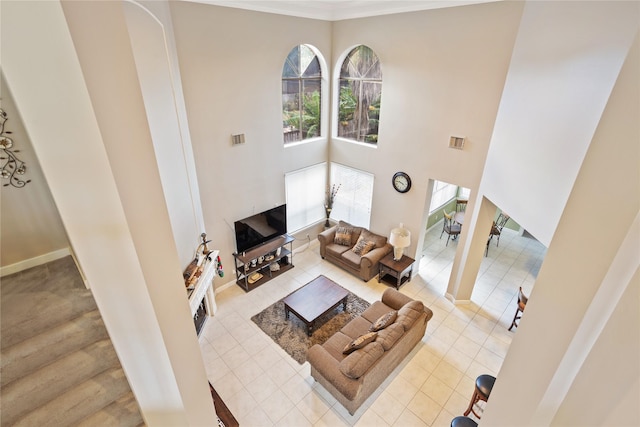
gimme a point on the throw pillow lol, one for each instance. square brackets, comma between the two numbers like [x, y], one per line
[363, 247]
[343, 236]
[360, 342]
[384, 321]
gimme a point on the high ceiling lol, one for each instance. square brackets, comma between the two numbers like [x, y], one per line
[336, 10]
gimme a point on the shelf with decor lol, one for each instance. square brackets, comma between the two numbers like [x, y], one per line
[264, 262]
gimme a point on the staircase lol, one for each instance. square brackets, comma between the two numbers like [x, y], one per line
[58, 366]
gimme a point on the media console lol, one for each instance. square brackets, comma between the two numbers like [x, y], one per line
[264, 262]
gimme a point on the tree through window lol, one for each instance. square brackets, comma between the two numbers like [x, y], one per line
[301, 94]
[359, 97]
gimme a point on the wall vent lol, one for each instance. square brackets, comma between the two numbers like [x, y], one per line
[456, 142]
[237, 139]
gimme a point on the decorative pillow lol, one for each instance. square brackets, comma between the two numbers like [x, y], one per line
[359, 362]
[363, 247]
[384, 321]
[343, 236]
[379, 241]
[360, 342]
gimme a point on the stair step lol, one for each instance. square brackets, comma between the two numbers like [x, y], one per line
[68, 408]
[24, 317]
[34, 390]
[122, 412]
[34, 353]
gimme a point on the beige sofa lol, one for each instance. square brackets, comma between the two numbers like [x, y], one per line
[341, 252]
[352, 378]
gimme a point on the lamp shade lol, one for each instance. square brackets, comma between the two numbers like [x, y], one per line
[399, 238]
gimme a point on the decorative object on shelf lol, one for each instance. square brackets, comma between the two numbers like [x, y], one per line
[399, 238]
[11, 164]
[255, 277]
[274, 267]
[328, 203]
[269, 258]
[401, 182]
[219, 269]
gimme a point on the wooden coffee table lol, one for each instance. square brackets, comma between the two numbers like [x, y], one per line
[316, 298]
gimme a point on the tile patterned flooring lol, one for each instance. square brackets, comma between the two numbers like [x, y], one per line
[263, 386]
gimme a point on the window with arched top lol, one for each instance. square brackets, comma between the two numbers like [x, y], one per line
[359, 95]
[301, 95]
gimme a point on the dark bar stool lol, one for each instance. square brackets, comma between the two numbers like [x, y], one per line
[484, 384]
[463, 422]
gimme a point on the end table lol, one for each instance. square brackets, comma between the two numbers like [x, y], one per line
[396, 272]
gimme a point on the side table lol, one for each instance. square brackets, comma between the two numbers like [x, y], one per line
[396, 272]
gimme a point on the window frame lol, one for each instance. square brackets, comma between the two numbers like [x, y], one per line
[344, 207]
[336, 98]
[313, 198]
[324, 98]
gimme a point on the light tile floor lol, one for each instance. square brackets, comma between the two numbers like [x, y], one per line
[263, 386]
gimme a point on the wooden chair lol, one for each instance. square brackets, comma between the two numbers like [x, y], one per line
[449, 227]
[461, 205]
[484, 385]
[522, 302]
[496, 230]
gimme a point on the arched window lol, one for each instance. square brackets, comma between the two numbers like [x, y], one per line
[359, 98]
[301, 95]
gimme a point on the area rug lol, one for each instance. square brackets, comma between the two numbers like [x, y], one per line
[291, 334]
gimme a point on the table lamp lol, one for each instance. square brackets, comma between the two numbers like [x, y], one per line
[399, 238]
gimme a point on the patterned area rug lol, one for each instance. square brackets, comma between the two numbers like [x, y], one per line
[291, 334]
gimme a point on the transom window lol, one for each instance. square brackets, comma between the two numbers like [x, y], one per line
[359, 97]
[301, 95]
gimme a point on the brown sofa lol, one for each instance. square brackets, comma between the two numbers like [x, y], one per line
[352, 378]
[342, 254]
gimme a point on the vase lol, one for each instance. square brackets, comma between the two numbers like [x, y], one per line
[328, 212]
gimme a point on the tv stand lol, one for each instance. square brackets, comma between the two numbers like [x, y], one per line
[276, 251]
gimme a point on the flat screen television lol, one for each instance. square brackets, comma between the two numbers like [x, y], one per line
[259, 228]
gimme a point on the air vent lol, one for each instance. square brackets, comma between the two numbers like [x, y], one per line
[237, 139]
[456, 142]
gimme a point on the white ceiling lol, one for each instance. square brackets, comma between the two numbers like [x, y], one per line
[336, 10]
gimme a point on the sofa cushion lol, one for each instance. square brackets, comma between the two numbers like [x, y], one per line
[356, 327]
[363, 246]
[409, 313]
[375, 311]
[336, 250]
[390, 335]
[377, 239]
[336, 343]
[384, 321]
[351, 259]
[359, 362]
[343, 236]
[359, 342]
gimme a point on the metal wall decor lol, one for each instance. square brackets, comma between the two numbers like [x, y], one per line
[12, 167]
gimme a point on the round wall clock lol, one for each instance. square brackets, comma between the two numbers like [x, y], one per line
[401, 182]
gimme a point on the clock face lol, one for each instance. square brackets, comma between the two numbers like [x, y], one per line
[401, 182]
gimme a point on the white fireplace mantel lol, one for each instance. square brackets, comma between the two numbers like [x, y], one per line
[204, 287]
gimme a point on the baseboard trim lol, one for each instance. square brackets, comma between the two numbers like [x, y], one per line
[34, 262]
[452, 299]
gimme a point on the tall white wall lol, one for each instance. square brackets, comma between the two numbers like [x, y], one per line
[31, 231]
[231, 63]
[565, 62]
[75, 60]
[574, 357]
[437, 82]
